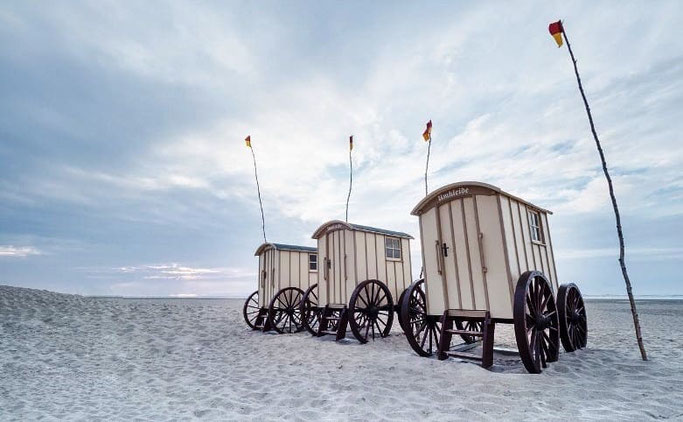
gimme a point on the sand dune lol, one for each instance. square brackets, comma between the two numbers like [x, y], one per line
[78, 358]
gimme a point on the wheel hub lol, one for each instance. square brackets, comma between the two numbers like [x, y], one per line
[542, 322]
[373, 311]
[574, 317]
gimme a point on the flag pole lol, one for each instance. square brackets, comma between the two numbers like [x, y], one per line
[429, 149]
[258, 189]
[427, 136]
[348, 197]
[620, 234]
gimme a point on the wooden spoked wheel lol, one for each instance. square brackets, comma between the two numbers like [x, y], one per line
[469, 326]
[284, 312]
[251, 309]
[423, 331]
[399, 306]
[310, 312]
[371, 311]
[572, 314]
[536, 322]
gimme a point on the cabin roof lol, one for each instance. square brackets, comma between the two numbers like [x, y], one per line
[431, 200]
[284, 247]
[357, 227]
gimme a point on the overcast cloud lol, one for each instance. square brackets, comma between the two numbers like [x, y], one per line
[123, 168]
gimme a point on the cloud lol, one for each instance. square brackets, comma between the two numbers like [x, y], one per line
[173, 271]
[18, 251]
[122, 127]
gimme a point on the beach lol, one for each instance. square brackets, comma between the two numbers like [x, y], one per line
[69, 357]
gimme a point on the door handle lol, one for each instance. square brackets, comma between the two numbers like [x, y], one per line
[438, 257]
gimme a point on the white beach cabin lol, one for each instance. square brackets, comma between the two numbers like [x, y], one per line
[485, 254]
[285, 273]
[364, 270]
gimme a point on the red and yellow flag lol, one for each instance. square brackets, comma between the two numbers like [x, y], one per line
[427, 135]
[350, 142]
[247, 140]
[556, 30]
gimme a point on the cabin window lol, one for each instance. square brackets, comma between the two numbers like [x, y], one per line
[312, 262]
[535, 226]
[393, 247]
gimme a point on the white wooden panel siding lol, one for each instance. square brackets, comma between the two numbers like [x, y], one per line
[461, 256]
[433, 274]
[449, 263]
[477, 263]
[357, 253]
[499, 286]
[350, 263]
[361, 257]
[551, 254]
[406, 269]
[488, 245]
[283, 266]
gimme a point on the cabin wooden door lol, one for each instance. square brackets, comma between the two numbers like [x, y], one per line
[333, 266]
[433, 261]
[454, 268]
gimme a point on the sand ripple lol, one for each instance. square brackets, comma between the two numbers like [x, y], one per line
[68, 357]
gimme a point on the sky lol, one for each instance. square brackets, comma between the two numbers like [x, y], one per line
[123, 169]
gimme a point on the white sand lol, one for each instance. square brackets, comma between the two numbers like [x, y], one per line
[70, 357]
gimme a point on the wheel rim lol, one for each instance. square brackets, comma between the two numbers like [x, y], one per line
[572, 314]
[284, 311]
[536, 321]
[251, 310]
[310, 312]
[371, 310]
[423, 331]
[469, 326]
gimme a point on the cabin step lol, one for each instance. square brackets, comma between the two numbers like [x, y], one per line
[467, 314]
[329, 316]
[467, 333]
[452, 317]
[462, 355]
[261, 322]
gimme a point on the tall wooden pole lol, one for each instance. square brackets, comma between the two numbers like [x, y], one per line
[348, 197]
[622, 263]
[429, 149]
[258, 190]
